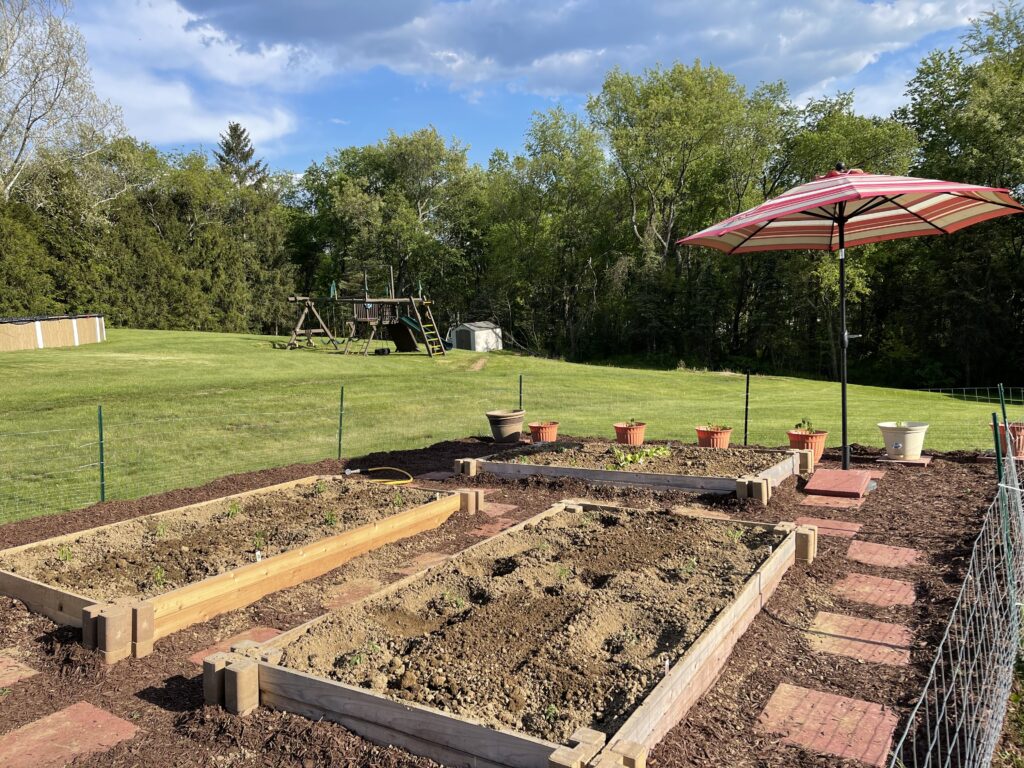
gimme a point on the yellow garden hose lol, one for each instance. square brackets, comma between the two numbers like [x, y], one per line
[382, 481]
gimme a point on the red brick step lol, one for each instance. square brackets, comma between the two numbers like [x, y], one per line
[846, 483]
[55, 740]
[863, 639]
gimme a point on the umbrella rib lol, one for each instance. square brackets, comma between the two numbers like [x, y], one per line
[747, 239]
[875, 203]
[988, 202]
[916, 215]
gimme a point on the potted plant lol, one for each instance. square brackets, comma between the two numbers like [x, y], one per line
[903, 439]
[805, 437]
[714, 436]
[1017, 433]
[506, 426]
[544, 431]
[630, 432]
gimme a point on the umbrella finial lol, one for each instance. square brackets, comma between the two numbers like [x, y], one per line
[841, 166]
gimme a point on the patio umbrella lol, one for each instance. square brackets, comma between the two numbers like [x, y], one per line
[851, 207]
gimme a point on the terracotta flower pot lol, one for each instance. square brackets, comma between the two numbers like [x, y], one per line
[1017, 433]
[630, 434]
[544, 431]
[806, 440]
[713, 437]
[506, 426]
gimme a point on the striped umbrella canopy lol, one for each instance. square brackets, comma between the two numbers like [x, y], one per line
[851, 207]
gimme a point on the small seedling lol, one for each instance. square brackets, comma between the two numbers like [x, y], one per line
[398, 500]
[319, 488]
[805, 424]
[551, 713]
[161, 529]
[233, 509]
[734, 534]
[4, 692]
[690, 567]
[330, 518]
[159, 576]
[563, 573]
[259, 541]
[625, 458]
[453, 601]
[64, 553]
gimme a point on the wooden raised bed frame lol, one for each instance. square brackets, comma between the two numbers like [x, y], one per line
[758, 486]
[129, 627]
[249, 675]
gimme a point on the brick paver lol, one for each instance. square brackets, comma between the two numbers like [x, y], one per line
[848, 483]
[830, 724]
[350, 592]
[55, 740]
[494, 509]
[493, 526]
[874, 590]
[832, 502]
[256, 634]
[882, 554]
[840, 528]
[418, 563]
[11, 669]
[863, 639]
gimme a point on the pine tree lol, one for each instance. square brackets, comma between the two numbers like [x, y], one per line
[235, 157]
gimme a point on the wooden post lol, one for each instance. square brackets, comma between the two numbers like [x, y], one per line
[213, 678]
[143, 629]
[241, 685]
[583, 745]
[114, 632]
[806, 543]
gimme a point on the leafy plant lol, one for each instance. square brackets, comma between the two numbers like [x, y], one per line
[330, 518]
[161, 529]
[319, 488]
[563, 573]
[259, 541]
[734, 534]
[551, 713]
[690, 566]
[806, 425]
[233, 509]
[717, 427]
[626, 458]
[159, 576]
[398, 500]
[4, 692]
[64, 553]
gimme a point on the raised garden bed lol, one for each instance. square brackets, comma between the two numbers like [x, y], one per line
[130, 583]
[584, 624]
[679, 467]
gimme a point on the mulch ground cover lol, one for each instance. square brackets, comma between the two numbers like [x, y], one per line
[935, 509]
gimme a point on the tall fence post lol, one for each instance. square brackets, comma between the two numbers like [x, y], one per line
[520, 391]
[746, 410]
[103, 464]
[341, 418]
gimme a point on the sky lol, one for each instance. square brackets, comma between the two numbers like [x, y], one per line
[307, 77]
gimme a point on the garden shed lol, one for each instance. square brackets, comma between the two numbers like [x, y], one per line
[483, 336]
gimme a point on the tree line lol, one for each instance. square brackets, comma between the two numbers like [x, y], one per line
[569, 244]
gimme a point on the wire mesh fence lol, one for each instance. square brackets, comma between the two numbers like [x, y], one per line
[958, 719]
[154, 445]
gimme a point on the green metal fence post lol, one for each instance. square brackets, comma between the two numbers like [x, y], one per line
[999, 448]
[520, 391]
[103, 464]
[341, 418]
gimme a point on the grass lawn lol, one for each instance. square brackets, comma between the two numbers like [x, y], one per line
[181, 408]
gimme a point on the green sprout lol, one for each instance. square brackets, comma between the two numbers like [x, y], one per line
[398, 500]
[563, 573]
[159, 576]
[319, 488]
[64, 553]
[5, 692]
[161, 529]
[330, 518]
[551, 713]
[734, 534]
[624, 458]
[233, 509]
[259, 541]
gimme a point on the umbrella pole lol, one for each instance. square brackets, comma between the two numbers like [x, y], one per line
[844, 338]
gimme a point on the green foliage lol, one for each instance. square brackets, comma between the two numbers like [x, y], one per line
[234, 155]
[64, 553]
[626, 458]
[330, 518]
[159, 576]
[234, 508]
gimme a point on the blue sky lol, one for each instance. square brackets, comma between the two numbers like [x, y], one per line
[309, 76]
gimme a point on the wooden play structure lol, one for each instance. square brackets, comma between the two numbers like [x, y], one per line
[405, 321]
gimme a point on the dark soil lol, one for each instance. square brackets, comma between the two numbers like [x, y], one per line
[936, 509]
[153, 555]
[567, 623]
[652, 457]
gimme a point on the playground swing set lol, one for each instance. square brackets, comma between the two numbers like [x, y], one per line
[405, 321]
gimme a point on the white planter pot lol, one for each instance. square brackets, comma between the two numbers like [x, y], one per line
[905, 441]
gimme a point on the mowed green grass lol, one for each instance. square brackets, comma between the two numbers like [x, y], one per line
[181, 408]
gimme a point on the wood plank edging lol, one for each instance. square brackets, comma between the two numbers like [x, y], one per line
[611, 476]
[62, 606]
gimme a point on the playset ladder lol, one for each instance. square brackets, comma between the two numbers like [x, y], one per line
[428, 328]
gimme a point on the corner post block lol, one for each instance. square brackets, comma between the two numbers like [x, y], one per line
[583, 745]
[241, 685]
[806, 543]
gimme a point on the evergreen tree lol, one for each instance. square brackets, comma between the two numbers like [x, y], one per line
[235, 157]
